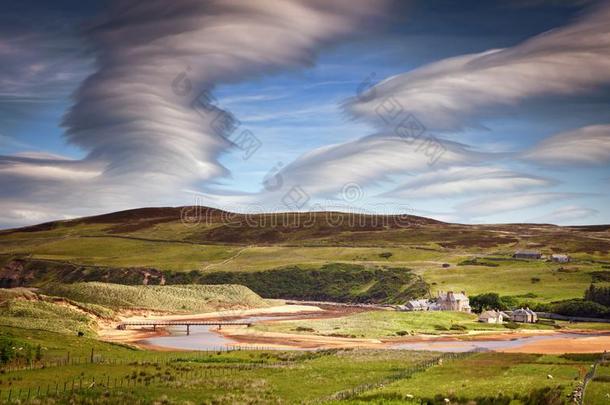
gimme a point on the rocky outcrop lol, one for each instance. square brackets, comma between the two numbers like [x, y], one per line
[21, 272]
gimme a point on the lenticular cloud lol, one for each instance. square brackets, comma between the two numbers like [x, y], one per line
[142, 111]
[454, 93]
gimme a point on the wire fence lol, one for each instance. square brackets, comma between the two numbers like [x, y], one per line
[406, 373]
[580, 398]
[69, 360]
[78, 384]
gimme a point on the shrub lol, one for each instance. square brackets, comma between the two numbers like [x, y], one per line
[579, 307]
[482, 302]
[402, 333]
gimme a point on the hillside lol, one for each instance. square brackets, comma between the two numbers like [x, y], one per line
[67, 308]
[154, 246]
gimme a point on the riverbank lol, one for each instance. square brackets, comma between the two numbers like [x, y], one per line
[520, 341]
[108, 329]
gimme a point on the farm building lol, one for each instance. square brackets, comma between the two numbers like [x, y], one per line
[559, 258]
[524, 315]
[492, 317]
[527, 254]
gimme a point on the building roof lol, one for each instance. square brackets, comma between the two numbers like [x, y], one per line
[527, 252]
[523, 311]
[422, 303]
[559, 256]
[452, 297]
[491, 315]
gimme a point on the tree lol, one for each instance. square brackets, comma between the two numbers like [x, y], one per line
[483, 302]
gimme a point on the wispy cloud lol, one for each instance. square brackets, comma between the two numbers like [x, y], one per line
[583, 146]
[570, 214]
[455, 93]
[500, 203]
[456, 181]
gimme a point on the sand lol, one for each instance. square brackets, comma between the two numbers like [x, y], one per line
[247, 337]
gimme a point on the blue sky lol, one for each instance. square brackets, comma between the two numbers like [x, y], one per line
[90, 120]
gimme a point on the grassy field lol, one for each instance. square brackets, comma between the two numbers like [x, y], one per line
[72, 308]
[155, 238]
[487, 377]
[540, 281]
[234, 377]
[246, 377]
[544, 280]
[598, 390]
[387, 324]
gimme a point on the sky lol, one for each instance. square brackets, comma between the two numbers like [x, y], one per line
[470, 111]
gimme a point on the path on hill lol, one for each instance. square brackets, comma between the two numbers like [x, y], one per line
[235, 256]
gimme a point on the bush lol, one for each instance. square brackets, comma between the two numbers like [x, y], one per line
[457, 326]
[341, 282]
[402, 333]
[482, 302]
[578, 307]
[511, 325]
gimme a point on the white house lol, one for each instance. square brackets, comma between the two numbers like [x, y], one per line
[560, 258]
[492, 317]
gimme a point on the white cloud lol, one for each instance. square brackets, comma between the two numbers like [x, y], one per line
[583, 146]
[460, 180]
[570, 214]
[370, 160]
[500, 203]
[134, 115]
[454, 93]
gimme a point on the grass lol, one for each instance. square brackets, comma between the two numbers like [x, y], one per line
[386, 324]
[318, 375]
[41, 315]
[285, 377]
[487, 375]
[187, 298]
[598, 390]
[514, 278]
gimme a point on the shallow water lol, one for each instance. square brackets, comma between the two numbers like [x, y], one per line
[207, 338]
[203, 337]
[482, 344]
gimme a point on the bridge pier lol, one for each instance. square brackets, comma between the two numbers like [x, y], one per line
[188, 329]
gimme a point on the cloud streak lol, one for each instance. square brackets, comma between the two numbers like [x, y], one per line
[587, 146]
[457, 181]
[456, 93]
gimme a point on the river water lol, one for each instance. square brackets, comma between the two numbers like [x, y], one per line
[207, 338]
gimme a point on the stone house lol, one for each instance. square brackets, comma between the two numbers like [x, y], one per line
[451, 301]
